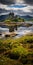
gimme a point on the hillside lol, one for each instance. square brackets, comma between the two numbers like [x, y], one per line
[17, 51]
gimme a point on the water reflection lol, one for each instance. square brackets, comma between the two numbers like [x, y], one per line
[24, 30]
[2, 30]
[20, 31]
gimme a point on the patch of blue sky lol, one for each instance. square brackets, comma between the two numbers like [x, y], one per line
[17, 6]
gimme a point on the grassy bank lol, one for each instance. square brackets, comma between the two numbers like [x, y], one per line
[16, 51]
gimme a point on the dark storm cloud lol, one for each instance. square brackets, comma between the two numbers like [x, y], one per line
[14, 1]
[3, 10]
[30, 2]
[7, 1]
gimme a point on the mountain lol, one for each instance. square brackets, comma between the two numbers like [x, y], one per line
[27, 17]
[3, 17]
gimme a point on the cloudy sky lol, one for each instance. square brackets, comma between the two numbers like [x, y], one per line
[19, 7]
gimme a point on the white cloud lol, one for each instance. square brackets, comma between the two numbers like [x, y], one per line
[4, 13]
[19, 1]
[26, 9]
[3, 6]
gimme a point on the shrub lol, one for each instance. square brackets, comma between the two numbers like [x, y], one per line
[24, 59]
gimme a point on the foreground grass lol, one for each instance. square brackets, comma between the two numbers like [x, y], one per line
[17, 51]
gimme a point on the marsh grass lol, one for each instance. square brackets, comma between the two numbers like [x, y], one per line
[16, 51]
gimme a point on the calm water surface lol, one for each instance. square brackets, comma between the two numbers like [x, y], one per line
[23, 30]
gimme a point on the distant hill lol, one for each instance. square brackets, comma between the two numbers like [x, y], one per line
[3, 17]
[27, 17]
